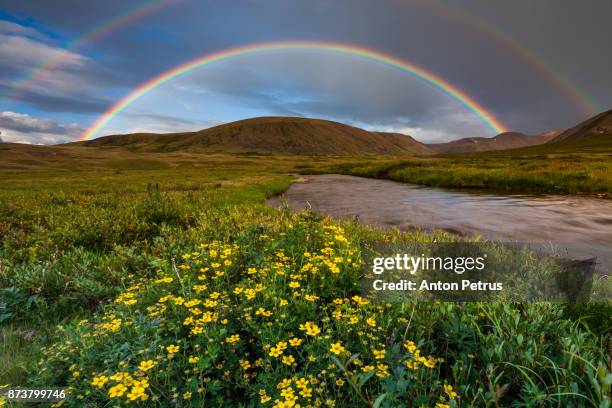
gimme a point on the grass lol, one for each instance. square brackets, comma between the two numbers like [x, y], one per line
[567, 169]
[100, 256]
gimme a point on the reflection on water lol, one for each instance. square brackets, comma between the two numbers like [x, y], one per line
[578, 226]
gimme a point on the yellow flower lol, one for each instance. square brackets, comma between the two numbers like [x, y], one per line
[265, 398]
[411, 364]
[448, 389]
[429, 362]
[294, 284]
[99, 381]
[136, 392]
[146, 365]
[210, 303]
[288, 394]
[371, 322]
[339, 383]
[172, 349]
[441, 405]
[199, 288]
[187, 395]
[193, 360]
[337, 348]
[306, 392]
[295, 342]
[382, 370]
[288, 360]
[378, 354]
[234, 338]
[117, 390]
[310, 328]
[359, 300]
[368, 368]
[263, 312]
[301, 383]
[410, 346]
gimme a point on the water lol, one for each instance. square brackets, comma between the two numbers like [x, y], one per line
[580, 227]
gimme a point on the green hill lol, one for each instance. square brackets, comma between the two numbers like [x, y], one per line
[273, 135]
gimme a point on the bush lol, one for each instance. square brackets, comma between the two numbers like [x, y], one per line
[271, 316]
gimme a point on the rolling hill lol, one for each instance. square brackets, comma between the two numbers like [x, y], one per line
[303, 136]
[596, 126]
[271, 135]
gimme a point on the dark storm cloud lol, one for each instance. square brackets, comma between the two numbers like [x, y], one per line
[568, 39]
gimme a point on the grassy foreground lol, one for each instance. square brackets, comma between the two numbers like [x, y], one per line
[177, 286]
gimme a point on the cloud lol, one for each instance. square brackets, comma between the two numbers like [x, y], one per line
[155, 123]
[446, 126]
[317, 85]
[10, 28]
[23, 128]
[18, 52]
[519, 91]
[67, 82]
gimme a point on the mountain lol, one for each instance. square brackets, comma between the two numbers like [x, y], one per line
[595, 127]
[272, 135]
[503, 141]
[306, 136]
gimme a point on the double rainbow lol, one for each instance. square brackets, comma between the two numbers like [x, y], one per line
[106, 27]
[331, 47]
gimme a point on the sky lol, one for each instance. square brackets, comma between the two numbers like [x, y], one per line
[533, 66]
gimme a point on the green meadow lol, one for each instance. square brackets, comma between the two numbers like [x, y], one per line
[170, 282]
[570, 168]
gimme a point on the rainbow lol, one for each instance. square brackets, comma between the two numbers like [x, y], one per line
[337, 48]
[548, 72]
[586, 103]
[101, 30]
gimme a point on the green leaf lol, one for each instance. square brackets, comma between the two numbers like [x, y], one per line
[379, 400]
[364, 378]
[338, 363]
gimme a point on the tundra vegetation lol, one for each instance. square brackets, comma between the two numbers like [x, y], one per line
[172, 283]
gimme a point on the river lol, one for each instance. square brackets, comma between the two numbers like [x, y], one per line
[579, 227]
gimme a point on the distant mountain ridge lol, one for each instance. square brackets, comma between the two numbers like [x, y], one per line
[306, 136]
[503, 141]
